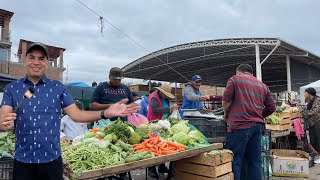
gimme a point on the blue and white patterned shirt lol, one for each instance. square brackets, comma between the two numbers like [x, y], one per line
[37, 127]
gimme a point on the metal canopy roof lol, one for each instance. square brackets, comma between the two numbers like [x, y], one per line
[217, 60]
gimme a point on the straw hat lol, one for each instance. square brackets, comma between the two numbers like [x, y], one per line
[166, 90]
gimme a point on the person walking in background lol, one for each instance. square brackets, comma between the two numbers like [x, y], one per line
[311, 113]
[192, 98]
[36, 120]
[71, 129]
[144, 103]
[94, 84]
[246, 101]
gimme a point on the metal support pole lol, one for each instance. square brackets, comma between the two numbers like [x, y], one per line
[269, 54]
[149, 84]
[288, 77]
[258, 63]
[175, 90]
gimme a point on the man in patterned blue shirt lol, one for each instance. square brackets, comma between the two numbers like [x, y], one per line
[36, 122]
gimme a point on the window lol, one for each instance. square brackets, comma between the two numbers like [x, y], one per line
[3, 54]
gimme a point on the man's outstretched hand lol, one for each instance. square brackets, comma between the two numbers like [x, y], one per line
[121, 109]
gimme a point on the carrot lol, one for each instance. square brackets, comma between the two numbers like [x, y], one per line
[135, 145]
[167, 152]
[139, 147]
[149, 145]
[176, 145]
[94, 130]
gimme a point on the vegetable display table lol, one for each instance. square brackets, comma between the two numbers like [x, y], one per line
[111, 171]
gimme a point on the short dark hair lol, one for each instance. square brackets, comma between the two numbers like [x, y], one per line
[311, 91]
[94, 84]
[245, 68]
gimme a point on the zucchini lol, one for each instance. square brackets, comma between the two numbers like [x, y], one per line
[124, 155]
[147, 156]
[116, 148]
[131, 159]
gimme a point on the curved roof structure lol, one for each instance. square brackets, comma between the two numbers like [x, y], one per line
[216, 61]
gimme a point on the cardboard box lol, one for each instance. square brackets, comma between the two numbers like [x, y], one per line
[289, 163]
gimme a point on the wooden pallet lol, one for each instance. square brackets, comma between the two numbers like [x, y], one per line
[205, 167]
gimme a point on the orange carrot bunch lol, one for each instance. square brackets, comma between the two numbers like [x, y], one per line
[94, 130]
[158, 147]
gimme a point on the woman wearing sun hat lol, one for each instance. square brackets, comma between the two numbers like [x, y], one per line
[158, 108]
[159, 103]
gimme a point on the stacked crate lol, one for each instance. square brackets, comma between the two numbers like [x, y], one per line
[285, 124]
[6, 168]
[205, 167]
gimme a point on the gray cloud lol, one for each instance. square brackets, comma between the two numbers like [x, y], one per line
[155, 24]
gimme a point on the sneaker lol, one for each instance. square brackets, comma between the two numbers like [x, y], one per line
[152, 172]
[163, 169]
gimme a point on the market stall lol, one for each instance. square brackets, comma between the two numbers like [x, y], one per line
[286, 144]
[122, 147]
[114, 170]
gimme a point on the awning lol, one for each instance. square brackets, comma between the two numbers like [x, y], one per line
[217, 60]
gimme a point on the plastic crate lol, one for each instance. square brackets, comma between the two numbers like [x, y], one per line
[210, 128]
[6, 168]
[266, 166]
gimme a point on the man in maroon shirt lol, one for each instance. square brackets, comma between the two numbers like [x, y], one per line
[246, 102]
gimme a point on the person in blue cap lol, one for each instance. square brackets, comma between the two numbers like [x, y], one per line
[192, 98]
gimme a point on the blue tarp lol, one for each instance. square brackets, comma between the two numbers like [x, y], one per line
[78, 84]
[80, 90]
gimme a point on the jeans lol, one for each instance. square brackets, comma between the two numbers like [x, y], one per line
[246, 143]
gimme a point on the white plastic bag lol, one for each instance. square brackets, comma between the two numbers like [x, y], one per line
[175, 114]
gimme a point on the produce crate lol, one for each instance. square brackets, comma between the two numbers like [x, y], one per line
[205, 167]
[6, 168]
[210, 128]
[285, 124]
[295, 115]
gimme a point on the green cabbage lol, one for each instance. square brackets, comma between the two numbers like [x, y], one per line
[181, 138]
[196, 136]
[181, 126]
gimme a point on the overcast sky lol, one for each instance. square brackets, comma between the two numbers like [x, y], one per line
[155, 24]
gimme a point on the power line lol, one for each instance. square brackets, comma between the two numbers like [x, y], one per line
[137, 43]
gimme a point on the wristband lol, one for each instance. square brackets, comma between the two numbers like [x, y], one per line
[102, 115]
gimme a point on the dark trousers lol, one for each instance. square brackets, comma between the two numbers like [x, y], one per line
[246, 146]
[29, 171]
[315, 136]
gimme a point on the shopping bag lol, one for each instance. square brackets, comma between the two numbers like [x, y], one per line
[137, 119]
[101, 123]
[175, 114]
